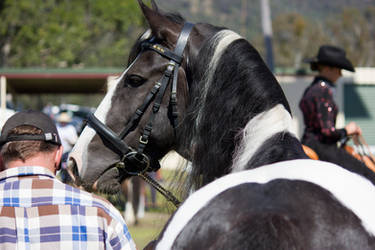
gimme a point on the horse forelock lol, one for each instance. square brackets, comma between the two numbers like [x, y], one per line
[146, 35]
[136, 49]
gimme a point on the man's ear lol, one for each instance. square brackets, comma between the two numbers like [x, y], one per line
[58, 156]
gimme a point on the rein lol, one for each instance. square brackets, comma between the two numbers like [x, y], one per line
[135, 162]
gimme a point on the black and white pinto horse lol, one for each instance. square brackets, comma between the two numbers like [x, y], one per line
[255, 187]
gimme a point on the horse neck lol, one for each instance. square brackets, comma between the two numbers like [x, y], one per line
[266, 139]
[228, 95]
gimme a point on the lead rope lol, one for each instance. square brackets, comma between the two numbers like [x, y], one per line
[168, 195]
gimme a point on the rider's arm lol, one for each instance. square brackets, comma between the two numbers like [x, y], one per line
[326, 116]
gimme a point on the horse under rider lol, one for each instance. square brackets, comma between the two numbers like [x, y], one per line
[320, 110]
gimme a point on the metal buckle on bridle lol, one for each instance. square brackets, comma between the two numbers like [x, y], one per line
[143, 174]
[134, 163]
[143, 141]
[171, 65]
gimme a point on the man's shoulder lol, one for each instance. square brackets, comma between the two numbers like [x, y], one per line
[76, 196]
[87, 194]
[105, 207]
[96, 199]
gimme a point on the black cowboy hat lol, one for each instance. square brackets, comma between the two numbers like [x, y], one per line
[331, 56]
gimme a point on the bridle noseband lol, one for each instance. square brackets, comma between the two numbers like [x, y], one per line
[135, 162]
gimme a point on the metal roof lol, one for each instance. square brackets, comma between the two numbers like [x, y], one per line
[38, 80]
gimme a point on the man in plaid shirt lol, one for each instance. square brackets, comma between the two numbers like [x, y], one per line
[37, 211]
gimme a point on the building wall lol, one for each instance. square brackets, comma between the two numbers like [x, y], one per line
[359, 106]
[293, 87]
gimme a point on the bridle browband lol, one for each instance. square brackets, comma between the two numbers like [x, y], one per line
[135, 162]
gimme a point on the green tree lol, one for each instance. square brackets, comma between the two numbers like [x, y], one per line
[297, 37]
[354, 30]
[294, 39]
[67, 33]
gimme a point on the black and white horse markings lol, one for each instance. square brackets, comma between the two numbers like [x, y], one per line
[263, 215]
[256, 189]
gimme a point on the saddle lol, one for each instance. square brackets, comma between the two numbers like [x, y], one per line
[361, 153]
[310, 152]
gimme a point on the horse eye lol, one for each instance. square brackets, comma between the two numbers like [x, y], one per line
[134, 81]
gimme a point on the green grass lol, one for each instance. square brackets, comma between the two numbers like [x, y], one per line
[148, 228]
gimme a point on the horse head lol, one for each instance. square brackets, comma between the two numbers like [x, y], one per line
[146, 107]
[222, 84]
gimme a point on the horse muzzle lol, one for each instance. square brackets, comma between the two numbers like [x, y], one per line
[72, 170]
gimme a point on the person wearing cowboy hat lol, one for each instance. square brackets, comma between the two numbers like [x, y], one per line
[320, 110]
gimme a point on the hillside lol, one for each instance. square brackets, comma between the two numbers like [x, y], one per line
[299, 26]
[220, 13]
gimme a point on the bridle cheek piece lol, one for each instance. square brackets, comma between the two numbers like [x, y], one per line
[135, 162]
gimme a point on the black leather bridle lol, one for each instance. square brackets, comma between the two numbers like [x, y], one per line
[135, 162]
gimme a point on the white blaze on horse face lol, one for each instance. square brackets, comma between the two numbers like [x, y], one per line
[259, 129]
[79, 151]
[221, 41]
[351, 190]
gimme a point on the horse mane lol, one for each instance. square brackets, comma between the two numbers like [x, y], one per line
[231, 85]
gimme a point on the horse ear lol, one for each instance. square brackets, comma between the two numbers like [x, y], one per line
[154, 6]
[161, 27]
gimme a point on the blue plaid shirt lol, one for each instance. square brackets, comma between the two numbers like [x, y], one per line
[37, 211]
